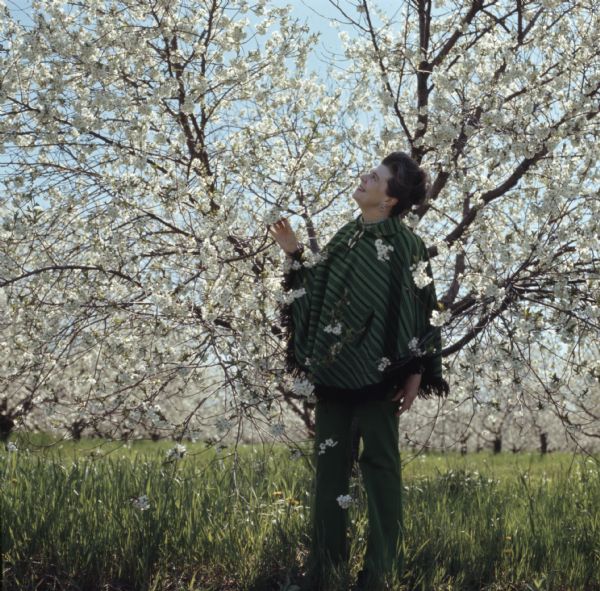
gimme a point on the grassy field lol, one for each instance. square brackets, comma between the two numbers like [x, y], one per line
[74, 516]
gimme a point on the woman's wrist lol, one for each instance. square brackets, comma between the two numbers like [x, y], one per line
[299, 248]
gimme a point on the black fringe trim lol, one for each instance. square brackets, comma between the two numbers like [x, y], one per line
[430, 385]
[291, 365]
[433, 386]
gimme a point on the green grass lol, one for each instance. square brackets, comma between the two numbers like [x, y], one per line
[509, 521]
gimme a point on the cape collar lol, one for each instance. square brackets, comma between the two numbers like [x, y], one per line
[387, 227]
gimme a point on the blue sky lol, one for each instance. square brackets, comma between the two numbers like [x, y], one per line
[319, 13]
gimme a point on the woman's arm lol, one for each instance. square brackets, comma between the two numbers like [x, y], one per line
[416, 363]
[297, 281]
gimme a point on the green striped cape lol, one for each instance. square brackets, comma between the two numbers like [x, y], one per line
[354, 315]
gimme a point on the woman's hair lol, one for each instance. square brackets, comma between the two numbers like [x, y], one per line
[409, 183]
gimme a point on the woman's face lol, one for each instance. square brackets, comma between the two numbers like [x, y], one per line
[371, 189]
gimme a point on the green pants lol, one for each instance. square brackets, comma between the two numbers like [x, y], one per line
[379, 463]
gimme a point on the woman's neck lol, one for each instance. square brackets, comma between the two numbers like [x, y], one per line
[375, 221]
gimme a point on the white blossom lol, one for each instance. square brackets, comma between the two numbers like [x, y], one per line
[333, 328]
[419, 274]
[440, 318]
[313, 259]
[142, 502]
[303, 387]
[296, 454]
[325, 444]
[335, 348]
[223, 424]
[292, 294]
[344, 501]
[384, 362]
[412, 219]
[177, 452]
[277, 429]
[383, 250]
[413, 346]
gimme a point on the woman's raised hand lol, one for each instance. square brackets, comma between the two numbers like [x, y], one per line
[284, 235]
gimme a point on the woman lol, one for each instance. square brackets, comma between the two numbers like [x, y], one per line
[358, 327]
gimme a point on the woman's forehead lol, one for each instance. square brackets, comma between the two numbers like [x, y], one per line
[382, 171]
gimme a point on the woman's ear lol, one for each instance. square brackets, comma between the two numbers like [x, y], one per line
[393, 201]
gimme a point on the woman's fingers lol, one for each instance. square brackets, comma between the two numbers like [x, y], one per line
[281, 227]
[403, 408]
[274, 228]
[279, 224]
[399, 395]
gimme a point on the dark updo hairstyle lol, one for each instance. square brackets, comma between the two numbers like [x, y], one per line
[409, 183]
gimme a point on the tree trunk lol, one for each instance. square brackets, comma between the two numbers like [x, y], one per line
[497, 444]
[544, 443]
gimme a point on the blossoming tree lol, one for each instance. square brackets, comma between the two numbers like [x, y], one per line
[500, 102]
[147, 145]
